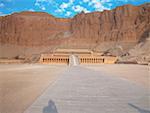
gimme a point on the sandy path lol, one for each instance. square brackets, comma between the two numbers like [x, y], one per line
[21, 84]
[82, 90]
[139, 74]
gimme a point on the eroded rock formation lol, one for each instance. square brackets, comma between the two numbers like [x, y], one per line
[31, 31]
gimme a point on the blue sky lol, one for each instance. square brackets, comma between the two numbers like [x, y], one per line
[63, 8]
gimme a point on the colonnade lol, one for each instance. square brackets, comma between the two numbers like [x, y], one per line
[56, 60]
[66, 60]
[92, 60]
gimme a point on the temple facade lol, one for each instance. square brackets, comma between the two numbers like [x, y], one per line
[85, 56]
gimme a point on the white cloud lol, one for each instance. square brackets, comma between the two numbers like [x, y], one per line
[85, 1]
[40, 5]
[86, 11]
[68, 13]
[98, 5]
[59, 10]
[105, 1]
[110, 5]
[2, 5]
[93, 2]
[79, 8]
[80, 2]
[64, 5]
[43, 8]
[31, 10]
[71, 1]
[37, 4]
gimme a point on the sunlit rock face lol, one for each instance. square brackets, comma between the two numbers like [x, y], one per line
[126, 24]
[34, 32]
[32, 29]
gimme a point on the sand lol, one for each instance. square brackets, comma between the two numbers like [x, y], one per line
[139, 74]
[21, 84]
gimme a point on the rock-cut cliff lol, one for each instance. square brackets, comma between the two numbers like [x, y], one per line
[125, 24]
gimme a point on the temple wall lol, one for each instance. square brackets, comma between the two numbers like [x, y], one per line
[83, 59]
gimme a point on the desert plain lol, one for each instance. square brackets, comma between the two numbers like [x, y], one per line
[22, 84]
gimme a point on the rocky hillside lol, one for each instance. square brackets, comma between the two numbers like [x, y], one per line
[35, 33]
[140, 53]
[32, 29]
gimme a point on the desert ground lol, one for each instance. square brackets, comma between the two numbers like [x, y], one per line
[139, 74]
[22, 84]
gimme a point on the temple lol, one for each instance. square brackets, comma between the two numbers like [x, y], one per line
[84, 56]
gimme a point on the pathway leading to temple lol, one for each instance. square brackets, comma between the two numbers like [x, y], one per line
[73, 60]
[81, 90]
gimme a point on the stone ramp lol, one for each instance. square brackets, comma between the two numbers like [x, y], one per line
[73, 60]
[81, 90]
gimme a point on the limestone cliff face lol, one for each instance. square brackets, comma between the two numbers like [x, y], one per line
[127, 23]
[33, 29]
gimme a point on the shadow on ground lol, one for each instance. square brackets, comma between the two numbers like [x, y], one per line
[51, 108]
[140, 110]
